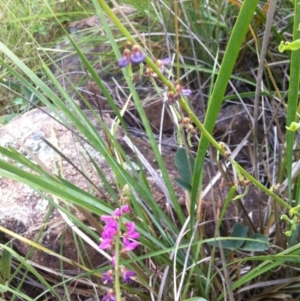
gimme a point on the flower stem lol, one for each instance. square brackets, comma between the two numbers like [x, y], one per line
[117, 259]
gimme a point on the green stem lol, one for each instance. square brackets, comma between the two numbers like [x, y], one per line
[292, 100]
[117, 261]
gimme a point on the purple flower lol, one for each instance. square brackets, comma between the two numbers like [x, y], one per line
[124, 209]
[107, 277]
[131, 233]
[134, 56]
[127, 275]
[117, 212]
[107, 219]
[108, 233]
[161, 63]
[137, 56]
[180, 90]
[113, 223]
[129, 245]
[106, 244]
[110, 230]
[110, 296]
[125, 58]
[186, 92]
[123, 61]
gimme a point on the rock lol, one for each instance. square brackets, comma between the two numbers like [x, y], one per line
[23, 210]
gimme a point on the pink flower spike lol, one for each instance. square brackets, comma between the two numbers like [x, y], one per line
[125, 209]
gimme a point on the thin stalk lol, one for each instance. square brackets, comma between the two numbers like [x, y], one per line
[177, 38]
[292, 100]
[117, 261]
[260, 71]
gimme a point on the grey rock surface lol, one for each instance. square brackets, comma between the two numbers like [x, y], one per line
[24, 210]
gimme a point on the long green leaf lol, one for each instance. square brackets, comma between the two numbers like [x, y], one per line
[5, 264]
[293, 100]
[230, 56]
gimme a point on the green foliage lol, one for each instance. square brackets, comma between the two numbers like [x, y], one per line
[5, 266]
[292, 103]
[185, 165]
[256, 242]
[28, 27]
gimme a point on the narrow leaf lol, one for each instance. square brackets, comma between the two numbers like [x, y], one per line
[185, 165]
[5, 264]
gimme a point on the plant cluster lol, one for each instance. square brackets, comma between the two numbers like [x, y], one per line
[228, 53]
[111, 235]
